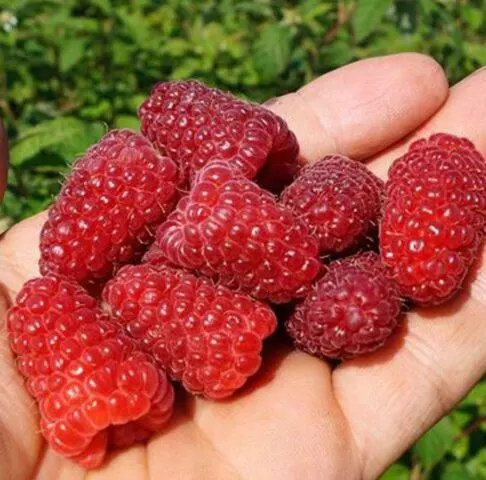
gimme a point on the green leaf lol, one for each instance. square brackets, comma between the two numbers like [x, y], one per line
[78, 144]
[127, 121]
[98, 110]
[103, 5]
[368, 16]
[476, 51]
[186, 69]
[473, 17]
[455, 471]
[272, 52]
[396, 472]
[45, 162]
[433, 446]
[135, 101]
[428, 6]
[477, 465]
[310, 9]
[338, 53]
[137, 26]
[460, 449]
[177, 47]
[477, 396]
[256, 8]
[72, 50]
[461, 418]
[44, 135]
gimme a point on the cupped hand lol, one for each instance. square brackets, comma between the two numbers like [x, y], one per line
[299, 418]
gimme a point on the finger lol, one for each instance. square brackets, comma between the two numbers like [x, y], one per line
[392, 397]
[286, 420]
[461, 115]
[183, 451]
[3, 160]
[362, 108]
[20, 443]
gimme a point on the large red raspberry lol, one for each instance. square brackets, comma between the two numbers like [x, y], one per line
[95, 390]
[230, 229]
[206, 336]
[352, 310]
[108, 208]
[339, 199]
[434, 218]
[195, 124]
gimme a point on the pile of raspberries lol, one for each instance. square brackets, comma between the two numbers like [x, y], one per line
[166, 252]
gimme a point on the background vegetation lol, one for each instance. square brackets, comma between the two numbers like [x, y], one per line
[71, 69]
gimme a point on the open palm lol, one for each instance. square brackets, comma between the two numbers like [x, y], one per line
[299, 418]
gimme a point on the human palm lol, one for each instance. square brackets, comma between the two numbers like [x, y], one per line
[299, 418]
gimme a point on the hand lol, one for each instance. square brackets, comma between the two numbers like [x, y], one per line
[298, 418]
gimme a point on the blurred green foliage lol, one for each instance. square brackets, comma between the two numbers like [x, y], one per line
[71, 69]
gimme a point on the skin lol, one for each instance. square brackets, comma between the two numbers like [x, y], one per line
[299, 418]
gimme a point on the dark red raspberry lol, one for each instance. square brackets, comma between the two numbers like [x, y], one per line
[95, 390]
[195, 124]
[206, 336]
[108, 208]
[352, 310]
[339, 200]
[230, 229]
[434, 217]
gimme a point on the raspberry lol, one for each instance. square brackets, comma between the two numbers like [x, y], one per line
[155, 256]
[339, 199]
[195, 124]
[206, 336]
[108, 208]
[352, 310]
[230, 229]
[434, 217]
[95, 390]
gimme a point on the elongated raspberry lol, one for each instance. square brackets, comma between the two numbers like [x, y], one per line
[195, 124]
[108, 208]
[339, 200]
[434, 217]
[206, 336]
[352, 310]
[230, 229]
[94, 388]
